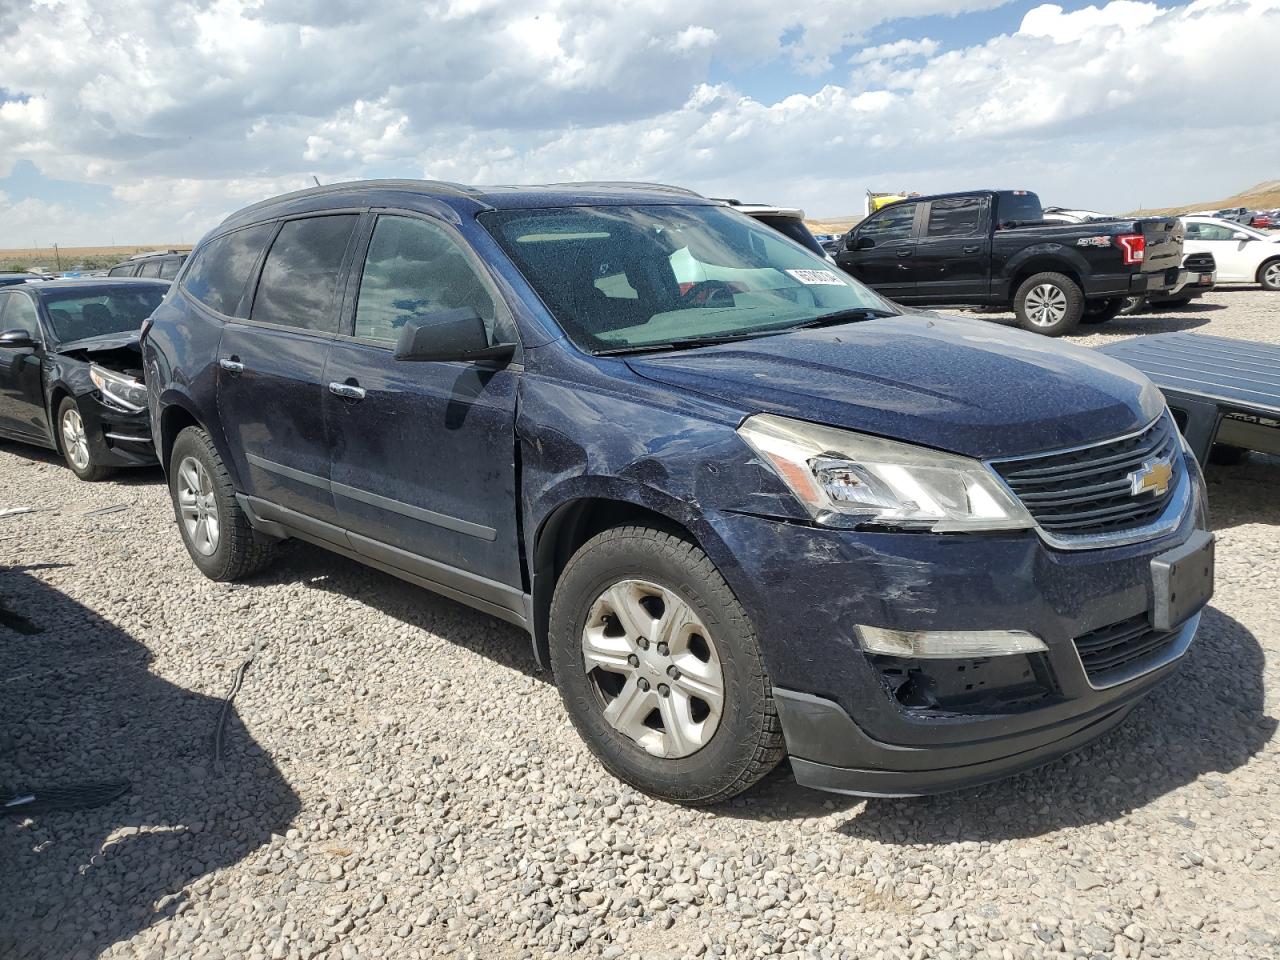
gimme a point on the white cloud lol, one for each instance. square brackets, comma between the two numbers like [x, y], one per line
[898, 50]
[188, 111]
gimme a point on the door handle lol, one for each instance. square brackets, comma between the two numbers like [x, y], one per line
[231, 365]
[904, 253]
[972, 249]
[346, 391]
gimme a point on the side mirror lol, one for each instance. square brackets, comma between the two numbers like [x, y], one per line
[1240, 235]
[449, 335]
[16, 339]
[864, 243]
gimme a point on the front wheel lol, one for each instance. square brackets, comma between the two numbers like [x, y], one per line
[215, 529]
[660, 669]
[1269, 275]
[1049, 304]
[1100, 311]
[73, 438]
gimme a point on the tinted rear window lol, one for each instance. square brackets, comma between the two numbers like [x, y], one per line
[1018, 206]
[796, 230]
[955, 217]
[221, 268]
[301, 272]
[169, 268]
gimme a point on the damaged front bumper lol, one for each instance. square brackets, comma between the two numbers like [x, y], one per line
[117, 438]
[870, 723]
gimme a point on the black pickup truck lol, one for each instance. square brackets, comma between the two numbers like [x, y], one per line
[993, 248]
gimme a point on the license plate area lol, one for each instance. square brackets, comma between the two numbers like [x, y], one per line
[1182, 581]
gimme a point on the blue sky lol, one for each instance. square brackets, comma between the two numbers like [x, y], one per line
[149, 125]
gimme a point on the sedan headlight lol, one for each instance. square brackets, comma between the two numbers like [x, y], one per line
[848, 479]
[118, 389]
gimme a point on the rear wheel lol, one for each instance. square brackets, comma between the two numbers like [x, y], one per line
[660, 670]
[1049, 304]
[1269, 275]
[215, 530]
[74, 441]
[1100, 311]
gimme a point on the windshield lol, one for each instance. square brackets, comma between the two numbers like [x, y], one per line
[630, 277]
[95, 311]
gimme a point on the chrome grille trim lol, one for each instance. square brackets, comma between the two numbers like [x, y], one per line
[1036, 480]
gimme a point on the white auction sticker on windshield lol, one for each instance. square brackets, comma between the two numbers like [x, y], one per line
[818, 278]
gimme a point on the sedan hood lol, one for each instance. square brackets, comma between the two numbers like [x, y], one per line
[967, 386]
[102, 343]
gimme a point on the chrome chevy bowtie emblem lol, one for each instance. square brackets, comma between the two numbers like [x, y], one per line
[1152, 477]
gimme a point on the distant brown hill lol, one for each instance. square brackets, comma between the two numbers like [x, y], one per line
[1261, 196]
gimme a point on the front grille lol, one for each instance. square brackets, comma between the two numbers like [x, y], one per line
[1200, 263]
[1086, 492]
[1116, 651]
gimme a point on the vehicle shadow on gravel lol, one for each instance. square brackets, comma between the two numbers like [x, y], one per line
[506, 645]
[1209, 718]
[126, 476]
[79, 705]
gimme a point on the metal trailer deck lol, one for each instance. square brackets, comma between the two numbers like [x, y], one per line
[1220, 390]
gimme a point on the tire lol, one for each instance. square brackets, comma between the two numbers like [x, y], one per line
[649, 574]
[74, 443]
[1269, 275]
[1048, 303]
[227, 550]
[1100, 311]
[1226, 455]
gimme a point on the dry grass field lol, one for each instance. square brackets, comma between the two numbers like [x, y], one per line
[45, 258]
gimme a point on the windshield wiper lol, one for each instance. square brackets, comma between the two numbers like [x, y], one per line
[852, 315]
[687, 342]
[826, 320]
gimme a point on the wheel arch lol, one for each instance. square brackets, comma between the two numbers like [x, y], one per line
[1043, 263]
[569, 525]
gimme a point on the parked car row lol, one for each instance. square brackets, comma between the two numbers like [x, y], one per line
[661, 436]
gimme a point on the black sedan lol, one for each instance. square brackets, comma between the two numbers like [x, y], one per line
[71, 370]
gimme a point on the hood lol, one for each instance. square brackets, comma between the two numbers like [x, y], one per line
[102, 343]
[967, 386]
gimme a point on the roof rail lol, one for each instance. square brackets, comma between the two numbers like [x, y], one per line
[152, 253]
[441, 186]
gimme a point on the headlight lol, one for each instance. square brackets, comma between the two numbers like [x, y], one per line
[846, 478]
[119, 390]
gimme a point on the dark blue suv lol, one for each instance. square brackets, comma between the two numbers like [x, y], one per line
[743, 505]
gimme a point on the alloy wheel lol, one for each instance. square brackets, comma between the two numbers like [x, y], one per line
[654, 668]
[1271, 276]
[1046, 305]
[197, 504]
[74, 440]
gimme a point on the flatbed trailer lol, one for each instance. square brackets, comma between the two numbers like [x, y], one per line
[1220, 390]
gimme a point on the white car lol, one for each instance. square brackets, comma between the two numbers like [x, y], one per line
[1243, 254]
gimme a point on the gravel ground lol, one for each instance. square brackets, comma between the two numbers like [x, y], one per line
[397, 781]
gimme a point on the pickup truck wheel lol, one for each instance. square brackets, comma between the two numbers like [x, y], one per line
[1269, 275]
[660, 670]
[1226, 455]
[1049, 303]
[216, 532]
[1100, 311]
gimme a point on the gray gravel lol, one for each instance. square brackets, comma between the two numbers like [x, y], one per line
[398, 782]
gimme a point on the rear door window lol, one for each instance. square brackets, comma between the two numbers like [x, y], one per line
[169, 268]
[955, 217]
[893, 223]
[150, 269]
[123, 271]
[221, 269]
[300, 275]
